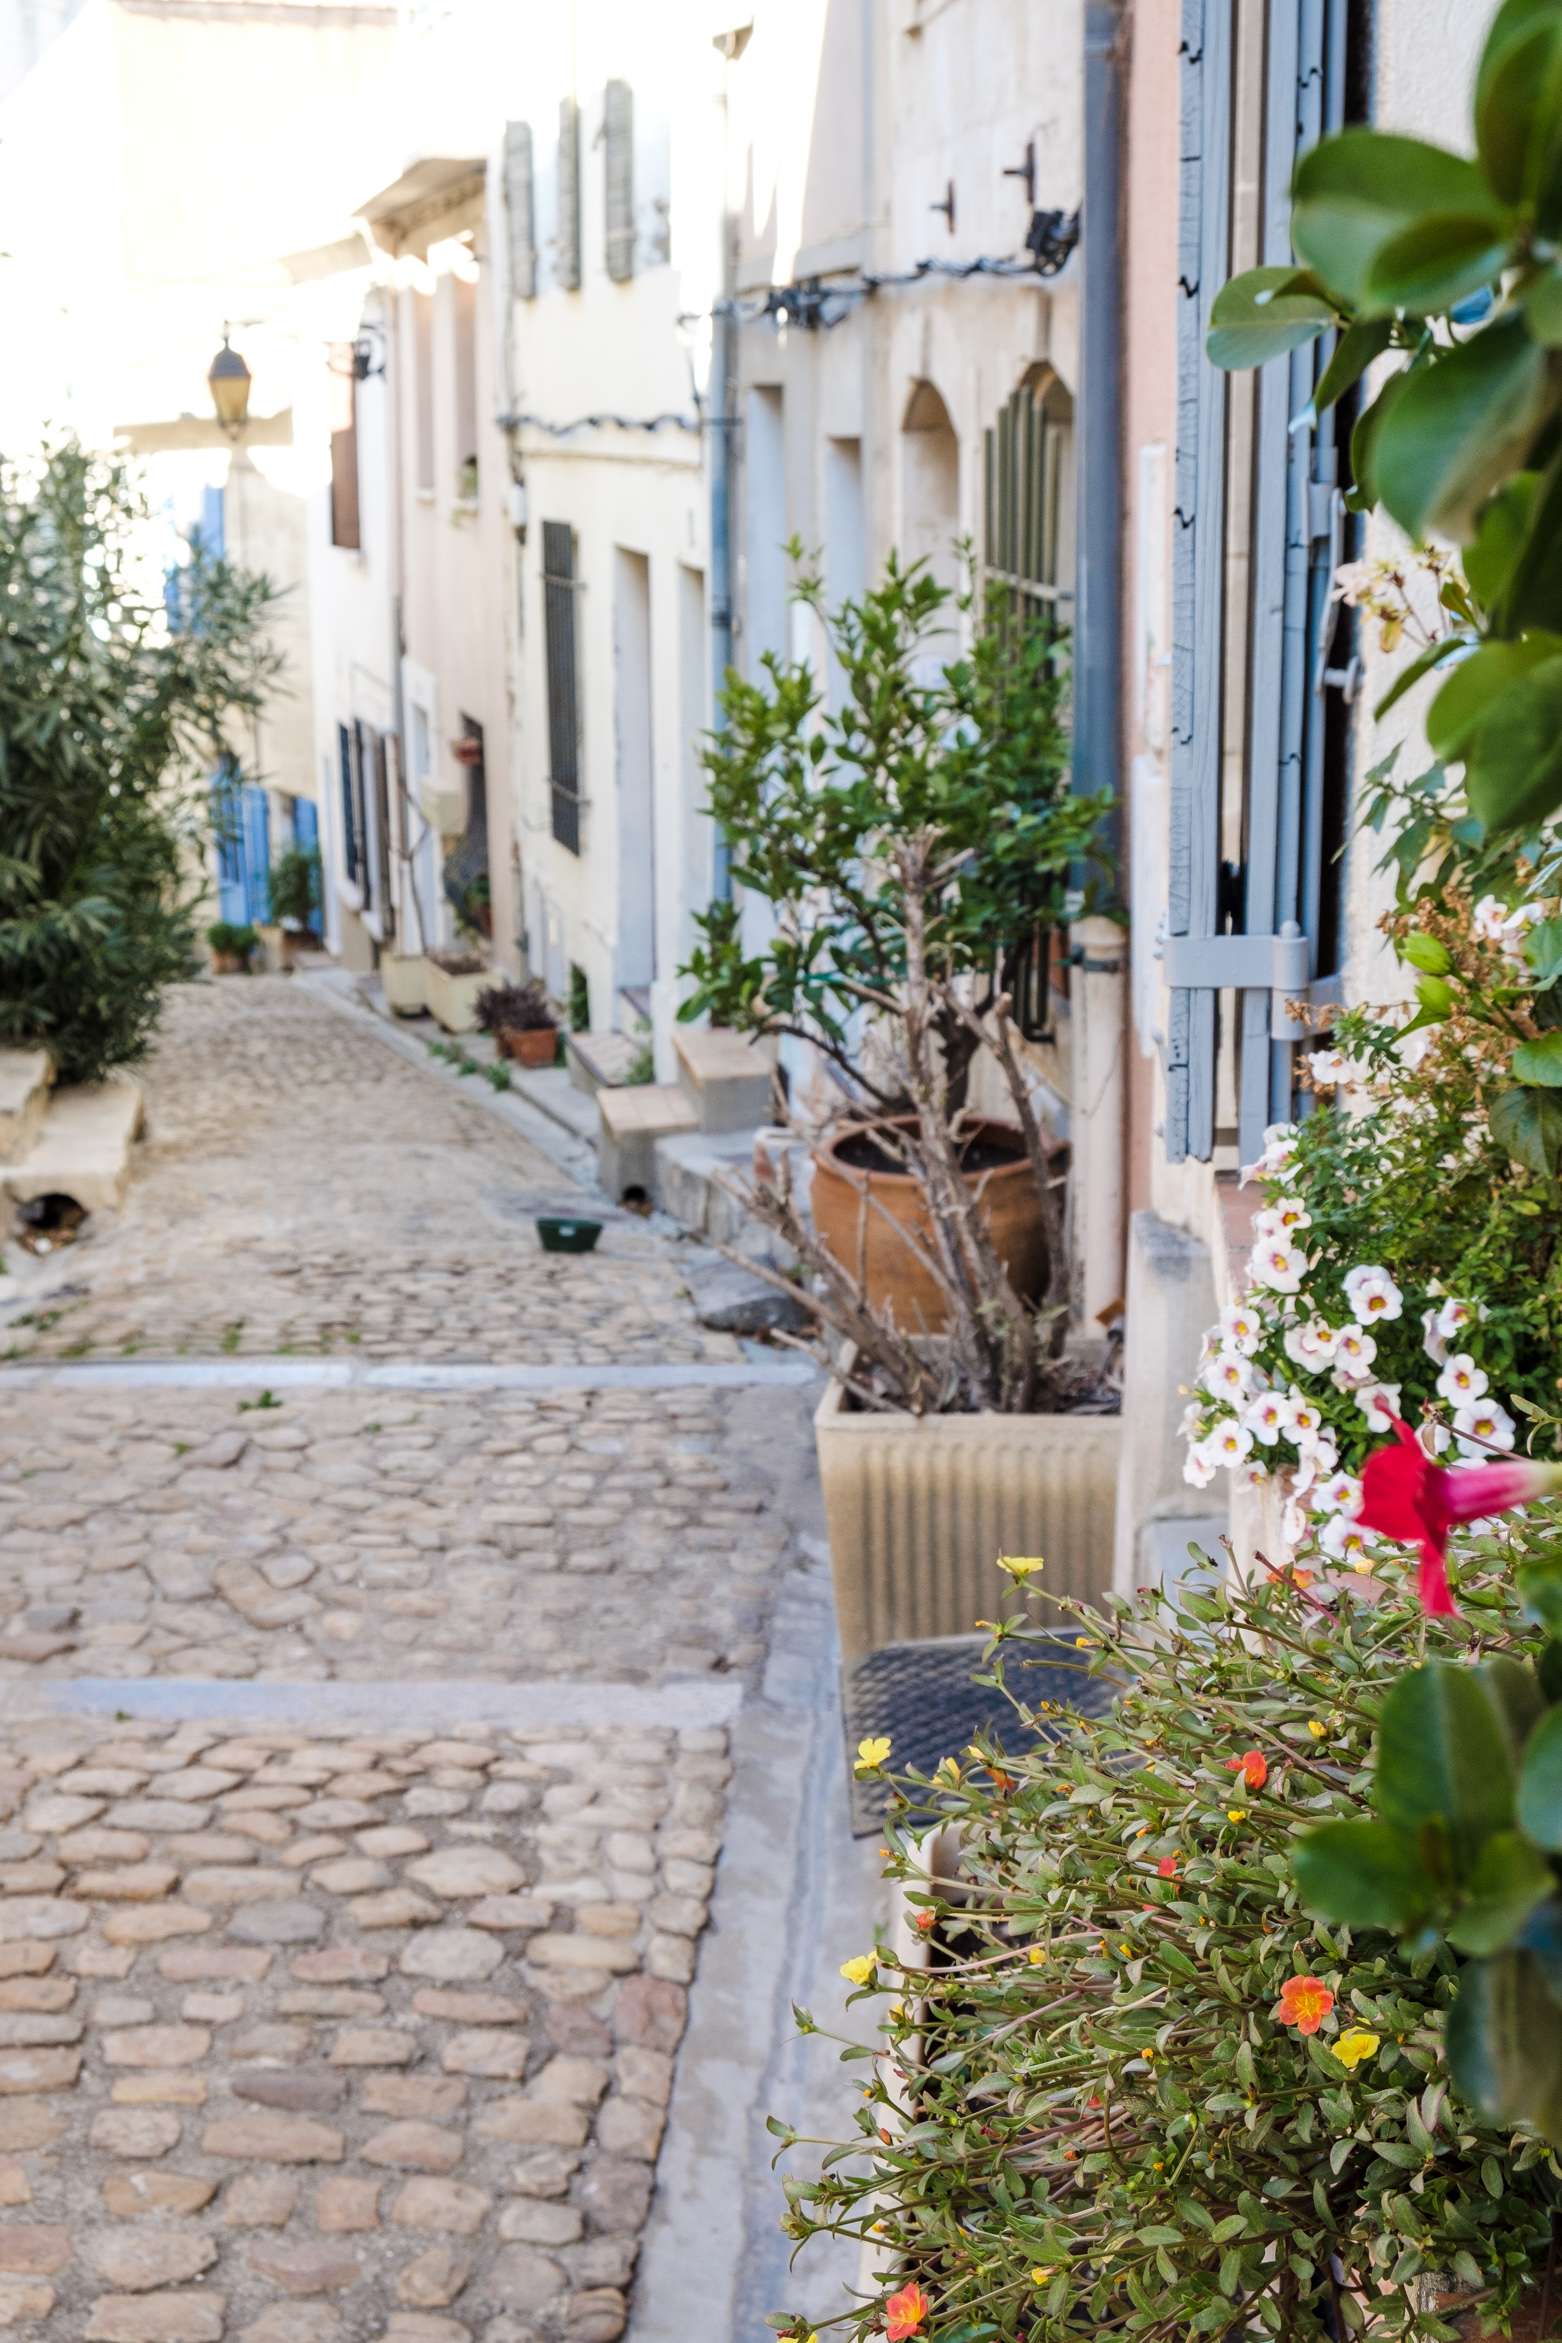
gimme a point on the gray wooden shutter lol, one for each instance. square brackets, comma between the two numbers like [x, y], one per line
[567, 241]
[520, 209]
[618, 169]
[559, 589]
[1266, 954]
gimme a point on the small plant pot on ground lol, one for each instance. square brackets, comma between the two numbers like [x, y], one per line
[455, 980]
[523, 1025]
[528, 1045]
[231, 946]
[404, 982]
[871, 1216]
[562, 1233]
[919, 1508]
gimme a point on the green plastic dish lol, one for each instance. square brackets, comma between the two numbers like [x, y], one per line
[567, 1236]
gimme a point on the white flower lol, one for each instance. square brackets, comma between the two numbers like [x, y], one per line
[1340, 1493]
[1227, 1444]
[1310, 1344]
[1192, 1417]
[1372, 1294]
[1462, 1379]
[1304, 1474]
[1266, 1417]
[1280, 1218]
[1354, 1352]
[1483, 1425]
[1279, 1148]
[1436, 1437]
[1413, 1047]
[1278, 1265]
[1297, 1523]
[1379, 1403]
[1198, 1469]
[1227, 1376]
[1302, 1419]
[1328, 1067]
[1341, 1538]
[1241, 1329]
[1454, 1317]
[1253, 1474]
[1324, 1454]
[1433, 1341]
[1489, 919]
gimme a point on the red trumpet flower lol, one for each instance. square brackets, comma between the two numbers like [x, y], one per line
[1406, 1496]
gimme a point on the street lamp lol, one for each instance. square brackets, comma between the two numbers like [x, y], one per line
[228, 379]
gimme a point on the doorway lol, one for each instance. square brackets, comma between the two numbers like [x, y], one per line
[636, 770]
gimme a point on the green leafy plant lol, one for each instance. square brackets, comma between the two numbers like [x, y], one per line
[233, 940]
[1135, 2090]
[813, 800]
[524, 1008]
[1451, 264]
[294, 888]
[111, 725]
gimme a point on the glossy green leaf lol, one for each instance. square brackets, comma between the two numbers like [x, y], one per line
[1444, 1756]
[1504, 2043]
[1531, 595]
[1509, 1879]
[1500, 530]
[1539, 1062]
[1513, 763]
[1262, 314]
[1472, 691]
[1440, 259]
[1540, 1591]
[1364, 440]
[1543, 309]
[1460, 426]
[1354, 192]
[1367, 338]
[1425, 662]
[1513, 1686]
[1363, 1874]
[1427, 954]
[1543, 950]
[1528, 1123]
[1518, 106]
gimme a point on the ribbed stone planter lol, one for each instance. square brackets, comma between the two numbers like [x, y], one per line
[453, 995]
[404, 982]
[919, 1509]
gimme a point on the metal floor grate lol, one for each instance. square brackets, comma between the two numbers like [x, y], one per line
[926, 1698]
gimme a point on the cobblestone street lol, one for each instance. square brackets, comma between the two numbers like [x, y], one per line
[365, 1733]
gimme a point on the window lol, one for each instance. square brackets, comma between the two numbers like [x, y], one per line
[423, 387]
[345, 529]
[1028, 534]
[352, 804]
[559, 589]
[618, 179]
[463, 294]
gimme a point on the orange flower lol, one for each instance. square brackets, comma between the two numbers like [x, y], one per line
[926, 1920]
[1304, 2003]
[1252, 1765]
[906, 2311]
[1167, 1867]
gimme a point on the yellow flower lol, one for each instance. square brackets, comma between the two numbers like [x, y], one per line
[872, 1752]
[1037, 1955]
[1355, 2044]
[948, 1772]
[1126, 1949]
[1021, 1566]
[1236, 1814]
[858, 1971]
[1042, 2273]
[1084, 1643]
[1148, 2054]
[1317, 1728]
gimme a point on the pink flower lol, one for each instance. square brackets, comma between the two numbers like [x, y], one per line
[1405, 1496]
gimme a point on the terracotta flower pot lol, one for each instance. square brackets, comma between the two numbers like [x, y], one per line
[859, 1216]
[529, 1045]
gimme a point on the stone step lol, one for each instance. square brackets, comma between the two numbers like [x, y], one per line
[83, 1149]
[727, 1077]
[25, 1076]
[602, 1059]
[632, 1120]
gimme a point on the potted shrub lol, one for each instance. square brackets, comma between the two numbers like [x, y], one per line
[232, 945]
[521, 1022]
[455, 982]
[902, 842]
[294, 888]
[1130, 2087]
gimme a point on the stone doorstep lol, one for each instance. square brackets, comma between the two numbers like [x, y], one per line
[600, 1060]
[83, 1150]
[25, 1076]
[689, 1176]
[729, 1079]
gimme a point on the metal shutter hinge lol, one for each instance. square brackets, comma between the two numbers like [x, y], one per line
[1277, 965]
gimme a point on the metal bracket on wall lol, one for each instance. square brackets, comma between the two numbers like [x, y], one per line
[1273, 964]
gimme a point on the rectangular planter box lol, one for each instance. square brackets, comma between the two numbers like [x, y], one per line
[452, 1000]
[919, 1509]
[404, 982]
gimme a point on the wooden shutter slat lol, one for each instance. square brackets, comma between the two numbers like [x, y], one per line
[618, 169]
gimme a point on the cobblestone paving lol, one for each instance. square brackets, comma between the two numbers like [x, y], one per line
[308, 2041]
[304, 1190]
[338, 2031]
[360, 1534]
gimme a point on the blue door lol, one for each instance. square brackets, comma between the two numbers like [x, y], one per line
[242, 822]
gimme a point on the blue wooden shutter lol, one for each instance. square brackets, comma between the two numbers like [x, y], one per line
[1256, 936]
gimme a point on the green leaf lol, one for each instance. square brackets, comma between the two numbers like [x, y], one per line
[1439, 260]
[1513, 1686]
[1543, 950]
[1529, 1124]
[1517, 94]
[1435, 655]
[1492, 553]
[1355, 191]
[1364, 440]
[1470, 693]
[1543, 308]
[1510, 1878]
[1444, 1756]
[1513, 766]
[1539, 1587]
[1427, 953]
[1436, 996]
[1367, 338]
[1262, 314]
[1540, 1784]
[1531, 595]
[1463, 422]
[1539, 1062]
[1363, 1874]
[1504, 2043]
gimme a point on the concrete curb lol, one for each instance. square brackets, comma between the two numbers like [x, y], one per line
[293, 1374]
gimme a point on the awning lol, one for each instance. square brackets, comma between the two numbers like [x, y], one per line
[434, 198]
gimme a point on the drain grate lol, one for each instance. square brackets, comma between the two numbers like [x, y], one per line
[926, 1698]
